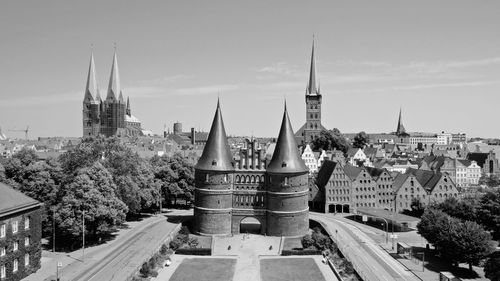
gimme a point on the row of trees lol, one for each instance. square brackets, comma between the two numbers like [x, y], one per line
[333, 139]
[465, 230]
[101, 180]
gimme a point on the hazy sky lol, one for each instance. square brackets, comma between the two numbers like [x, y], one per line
[438, 59]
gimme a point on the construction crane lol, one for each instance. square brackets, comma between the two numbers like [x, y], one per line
[26, 131]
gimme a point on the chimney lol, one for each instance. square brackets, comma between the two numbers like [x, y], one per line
[193, 137]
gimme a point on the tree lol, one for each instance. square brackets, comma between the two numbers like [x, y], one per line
[92, 191]
[456, 240]
[473, 243]
[490, 181]
[329, 140]
[492, 267]
[416, 208]
[488, 212]
[464, 209]
[360, 140]
[175, 176]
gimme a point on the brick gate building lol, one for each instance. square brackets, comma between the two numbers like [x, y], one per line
[249, 196]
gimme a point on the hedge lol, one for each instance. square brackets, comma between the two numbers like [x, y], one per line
[300, 252]
[194, 251]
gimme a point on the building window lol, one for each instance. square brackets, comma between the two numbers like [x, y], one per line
[2, 251]
[16, 265]
[26, 259]
[15, 225]
[2, 272]
[27, 223]
[2, 231]
[16, 246]
[26, 241]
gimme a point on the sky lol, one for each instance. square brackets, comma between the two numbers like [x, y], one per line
[437, 60]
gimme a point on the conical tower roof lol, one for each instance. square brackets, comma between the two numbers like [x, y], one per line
[311, 85]
[216, 155]
[91, 88]
[114, 88]
[400, 130]
[286, 157]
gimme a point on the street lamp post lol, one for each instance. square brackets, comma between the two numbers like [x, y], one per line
[83, 236]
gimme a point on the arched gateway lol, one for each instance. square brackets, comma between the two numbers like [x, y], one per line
[250, 225]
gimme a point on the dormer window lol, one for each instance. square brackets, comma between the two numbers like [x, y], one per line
[214, 162]
[283, 164]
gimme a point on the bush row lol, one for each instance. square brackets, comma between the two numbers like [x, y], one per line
[300, 252]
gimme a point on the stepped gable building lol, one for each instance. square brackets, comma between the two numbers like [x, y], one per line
[249, 196]
[111, 117]
[312, 128]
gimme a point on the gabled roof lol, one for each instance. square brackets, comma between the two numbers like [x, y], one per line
[325, 172]
[352, 151]
[286, 157]
[216, 155]
[352, 171]
[399, 180]
[375, 172]
[370, 152]
[427, 179]
[465, 162]
[12, 200]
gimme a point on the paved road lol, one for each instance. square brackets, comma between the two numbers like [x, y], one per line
[369, 260]
[116, 259]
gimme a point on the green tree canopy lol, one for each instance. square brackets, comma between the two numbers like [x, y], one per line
[329, 140]
[492, 267]
[488, 213]
[92, 191]
[360, 140]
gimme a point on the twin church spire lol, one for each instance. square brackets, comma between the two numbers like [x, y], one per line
[114, 88]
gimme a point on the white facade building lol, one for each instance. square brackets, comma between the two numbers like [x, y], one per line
[310, 160]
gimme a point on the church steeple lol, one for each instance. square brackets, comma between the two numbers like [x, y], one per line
[216, 155]
[91, 89]
[400, 130]
[114, 89]
[311, 85]
[128, 111]
[286, 157]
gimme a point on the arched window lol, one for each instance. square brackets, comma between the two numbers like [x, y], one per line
[237, 179]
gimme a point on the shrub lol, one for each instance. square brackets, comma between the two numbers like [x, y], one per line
[193, 242]
[307, 241]
[164, 250]
[176, 244]
[145, 269]
[194, 251]
[300, 252]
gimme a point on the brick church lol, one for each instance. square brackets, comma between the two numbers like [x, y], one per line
[111, 117]
[313, 127]
[249, 196]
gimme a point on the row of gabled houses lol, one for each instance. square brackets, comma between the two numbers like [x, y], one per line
[344, 188]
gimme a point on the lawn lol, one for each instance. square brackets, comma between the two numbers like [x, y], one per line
[290, 269]
[206, 269]
[291, 243]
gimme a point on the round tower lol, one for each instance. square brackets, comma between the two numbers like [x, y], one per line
[287, 189]
[213, 178]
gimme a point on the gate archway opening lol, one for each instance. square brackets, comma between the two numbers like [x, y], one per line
[250, 225]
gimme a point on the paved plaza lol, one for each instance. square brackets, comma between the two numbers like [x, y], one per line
[248, 257]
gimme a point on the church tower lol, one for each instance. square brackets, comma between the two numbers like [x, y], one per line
[91, 103]
[114, 106]
[312, 128]
[213, 181]
[400, 129]
[313, 104]
[287, 190]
